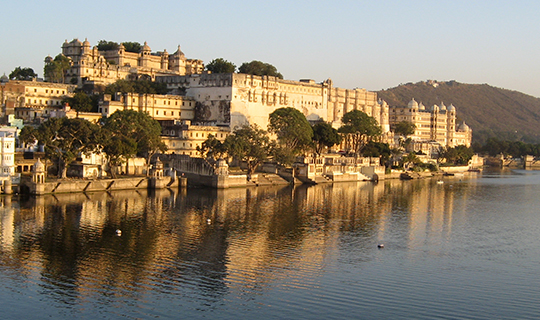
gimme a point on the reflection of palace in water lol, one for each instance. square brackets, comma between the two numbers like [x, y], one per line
[231, 236]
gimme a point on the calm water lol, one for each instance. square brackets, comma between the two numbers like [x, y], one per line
[465, 249]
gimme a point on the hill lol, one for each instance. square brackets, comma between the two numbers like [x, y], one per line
[489, 111]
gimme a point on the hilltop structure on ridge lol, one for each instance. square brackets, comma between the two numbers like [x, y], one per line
[90, 65]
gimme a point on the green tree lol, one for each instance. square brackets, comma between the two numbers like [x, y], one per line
[324, 136]
[464, 154]
[359, 128]
[378, 149]
[221, 65]
[104, 45]
[259, 68]
[291, 128]
[22, 74]
[132, 46]
[80, 102]
[55, 70]
[129, 133]
[136, 86]
[212, 148]
[64, 139]
[404, 128]
[410, 160]
[249, 144]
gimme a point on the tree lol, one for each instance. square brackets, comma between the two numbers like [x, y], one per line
[359, 128]
[104, 45]
[324, 136]
[22, 74]
[259, 68]
[132, 46]
[410, 160]
[129, 133]
[55, 70]
[136, 86]
[64, 139]
[249, 144]
[378, 149]
[291, 128]
[404, 128]
[221, 65]
[212, 148]
[460, 155]
[80, 102]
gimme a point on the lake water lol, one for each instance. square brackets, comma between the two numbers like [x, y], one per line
[465, 249]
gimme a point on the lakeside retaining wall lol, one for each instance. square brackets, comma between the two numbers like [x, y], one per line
[72, 186]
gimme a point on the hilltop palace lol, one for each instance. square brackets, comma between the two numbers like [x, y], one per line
[201, 103]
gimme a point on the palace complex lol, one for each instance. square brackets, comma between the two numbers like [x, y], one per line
[200, 103]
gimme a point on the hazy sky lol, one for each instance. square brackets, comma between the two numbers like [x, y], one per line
[368, 44]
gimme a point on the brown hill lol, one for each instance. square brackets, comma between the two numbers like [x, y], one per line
[489, 111]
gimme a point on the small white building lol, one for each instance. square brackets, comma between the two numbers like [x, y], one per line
[7, 152]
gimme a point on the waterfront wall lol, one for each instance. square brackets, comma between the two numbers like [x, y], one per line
[72, 186]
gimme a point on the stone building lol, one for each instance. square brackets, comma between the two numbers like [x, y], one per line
[89, 65]
[235, 99]
[435, 126]
[7, 152]
[181, 137]
[175, 113]
[33, 100]
[160, 107]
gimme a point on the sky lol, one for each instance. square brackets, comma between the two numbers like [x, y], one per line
[374, 44]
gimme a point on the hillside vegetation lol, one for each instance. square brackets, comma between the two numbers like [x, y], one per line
[489, 111]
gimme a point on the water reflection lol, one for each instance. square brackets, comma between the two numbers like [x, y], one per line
[203, 245]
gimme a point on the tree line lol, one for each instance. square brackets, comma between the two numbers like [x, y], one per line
[496, 146]
[123, 135]
[254, 67]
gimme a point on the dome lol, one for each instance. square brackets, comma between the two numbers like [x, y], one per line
[86, 43]
[413, 104]
[442, 107]
[76, 42]
[4, 78]
[421, 106]
[451, 108]
[179, 52]
[146, 47]
[39, 167]
[464, 127]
